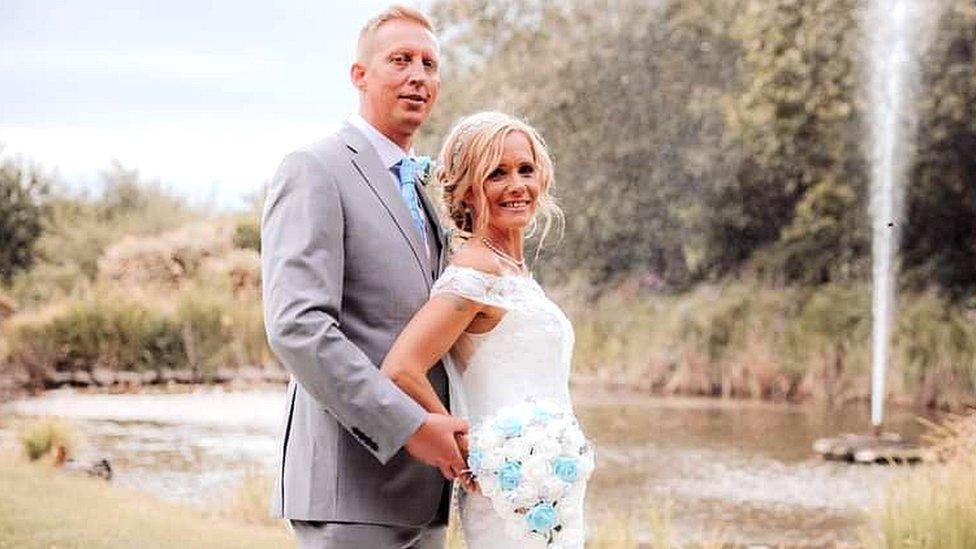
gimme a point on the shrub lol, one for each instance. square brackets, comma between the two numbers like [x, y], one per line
[44, 435]
[247, 235]
[107, 331]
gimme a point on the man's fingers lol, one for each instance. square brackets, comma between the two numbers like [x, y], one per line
[460, 425]
[447, 472]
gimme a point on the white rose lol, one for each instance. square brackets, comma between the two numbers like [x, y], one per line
[516, 449]
[553, 488]
[535, 468]
[515, 528]
[492, 460]
[549, 448]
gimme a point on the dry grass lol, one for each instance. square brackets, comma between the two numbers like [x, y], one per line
[249, 501]
[932, 506]
[42, 508]
[744, 340]
[41, 437]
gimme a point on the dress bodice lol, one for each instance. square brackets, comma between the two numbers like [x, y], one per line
[526, 355]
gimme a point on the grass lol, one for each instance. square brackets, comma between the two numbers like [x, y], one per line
[249, 502]
[932, 506]
[40, 437]
[42, 508]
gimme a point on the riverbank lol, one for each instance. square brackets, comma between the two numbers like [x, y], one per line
[738, 340]
[43, 508]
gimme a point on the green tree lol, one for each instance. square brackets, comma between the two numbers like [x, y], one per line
[22, 213]
[802, 194]
[628, 96]
[939, 241]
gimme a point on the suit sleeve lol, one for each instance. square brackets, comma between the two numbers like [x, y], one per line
[302, 273]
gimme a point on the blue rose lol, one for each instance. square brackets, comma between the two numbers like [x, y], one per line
[542, 517]
[474, 459]
[509, 426]
[566, 468]
[541, 414]
[510, 475]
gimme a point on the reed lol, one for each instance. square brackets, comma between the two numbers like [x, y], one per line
[931, 506]
[745, 340]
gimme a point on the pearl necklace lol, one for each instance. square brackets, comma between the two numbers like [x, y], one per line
[519, 264]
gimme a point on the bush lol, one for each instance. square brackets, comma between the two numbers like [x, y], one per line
[22, 214]
[247, 235]
[106, 331]
[747, 340]
[42, 436]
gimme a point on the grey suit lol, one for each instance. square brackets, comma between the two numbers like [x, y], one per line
[344, 269]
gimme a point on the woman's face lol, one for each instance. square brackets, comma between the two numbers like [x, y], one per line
[512, 187]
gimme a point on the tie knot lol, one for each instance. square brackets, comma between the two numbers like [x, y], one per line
[410, 168]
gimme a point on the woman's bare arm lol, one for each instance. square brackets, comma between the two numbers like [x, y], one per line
[427, 337]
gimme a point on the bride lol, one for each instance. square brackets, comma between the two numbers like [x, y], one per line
[508, 341]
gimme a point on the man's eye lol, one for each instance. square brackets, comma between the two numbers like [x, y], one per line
[399, 59]
[430, 63]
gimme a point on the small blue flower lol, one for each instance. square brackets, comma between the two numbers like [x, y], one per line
[541, 414]
[474, 459]
[542, 517]
[566, 468]
[509, 426]
[510, 475]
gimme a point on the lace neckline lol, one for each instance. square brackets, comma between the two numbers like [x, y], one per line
[504, 275]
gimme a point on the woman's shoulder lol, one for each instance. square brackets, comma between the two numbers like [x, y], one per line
[477, 258]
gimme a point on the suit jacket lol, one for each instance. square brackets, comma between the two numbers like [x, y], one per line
[343, 270]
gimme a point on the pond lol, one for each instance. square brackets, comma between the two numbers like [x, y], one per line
[733, 470]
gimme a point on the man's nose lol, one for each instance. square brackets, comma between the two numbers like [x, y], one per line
[418, 73]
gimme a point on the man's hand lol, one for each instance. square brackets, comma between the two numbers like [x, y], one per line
[434, 444]
[467, 477]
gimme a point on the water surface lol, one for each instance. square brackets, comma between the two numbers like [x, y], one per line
[739, 471]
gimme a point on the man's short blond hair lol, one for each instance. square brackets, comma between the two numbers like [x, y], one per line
[391, 13]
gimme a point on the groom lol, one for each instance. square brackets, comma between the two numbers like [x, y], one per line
[350, 247]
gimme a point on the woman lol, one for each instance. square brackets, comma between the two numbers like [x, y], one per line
[508, 340]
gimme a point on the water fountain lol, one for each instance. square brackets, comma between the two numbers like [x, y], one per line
[896, 29]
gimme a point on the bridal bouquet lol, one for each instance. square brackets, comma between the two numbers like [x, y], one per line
[532, 461]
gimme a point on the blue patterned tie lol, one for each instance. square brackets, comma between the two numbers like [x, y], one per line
[407, 170]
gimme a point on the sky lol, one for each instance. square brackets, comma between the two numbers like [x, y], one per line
[204, 97]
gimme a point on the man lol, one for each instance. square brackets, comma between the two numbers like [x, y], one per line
[350, 248]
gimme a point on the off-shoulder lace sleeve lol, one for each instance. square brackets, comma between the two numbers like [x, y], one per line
[475, 285]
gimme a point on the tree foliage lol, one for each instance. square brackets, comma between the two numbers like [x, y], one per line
[940, 236]
[22, 213]
[697, 139]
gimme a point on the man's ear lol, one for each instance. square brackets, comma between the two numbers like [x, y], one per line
[357, 74]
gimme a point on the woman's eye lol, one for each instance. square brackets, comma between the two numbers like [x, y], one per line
[497, 174]
[526, 169]
[430, 63]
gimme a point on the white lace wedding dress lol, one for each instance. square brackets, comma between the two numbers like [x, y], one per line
[526, 355]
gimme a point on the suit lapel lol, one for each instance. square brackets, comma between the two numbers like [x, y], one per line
[377, 177]
[438, 231]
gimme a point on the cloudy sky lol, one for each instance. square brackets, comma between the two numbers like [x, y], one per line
[203, 96]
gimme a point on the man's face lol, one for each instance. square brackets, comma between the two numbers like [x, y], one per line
[398, 80]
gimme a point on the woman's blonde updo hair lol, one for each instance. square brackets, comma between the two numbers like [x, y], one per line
[471, 152]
